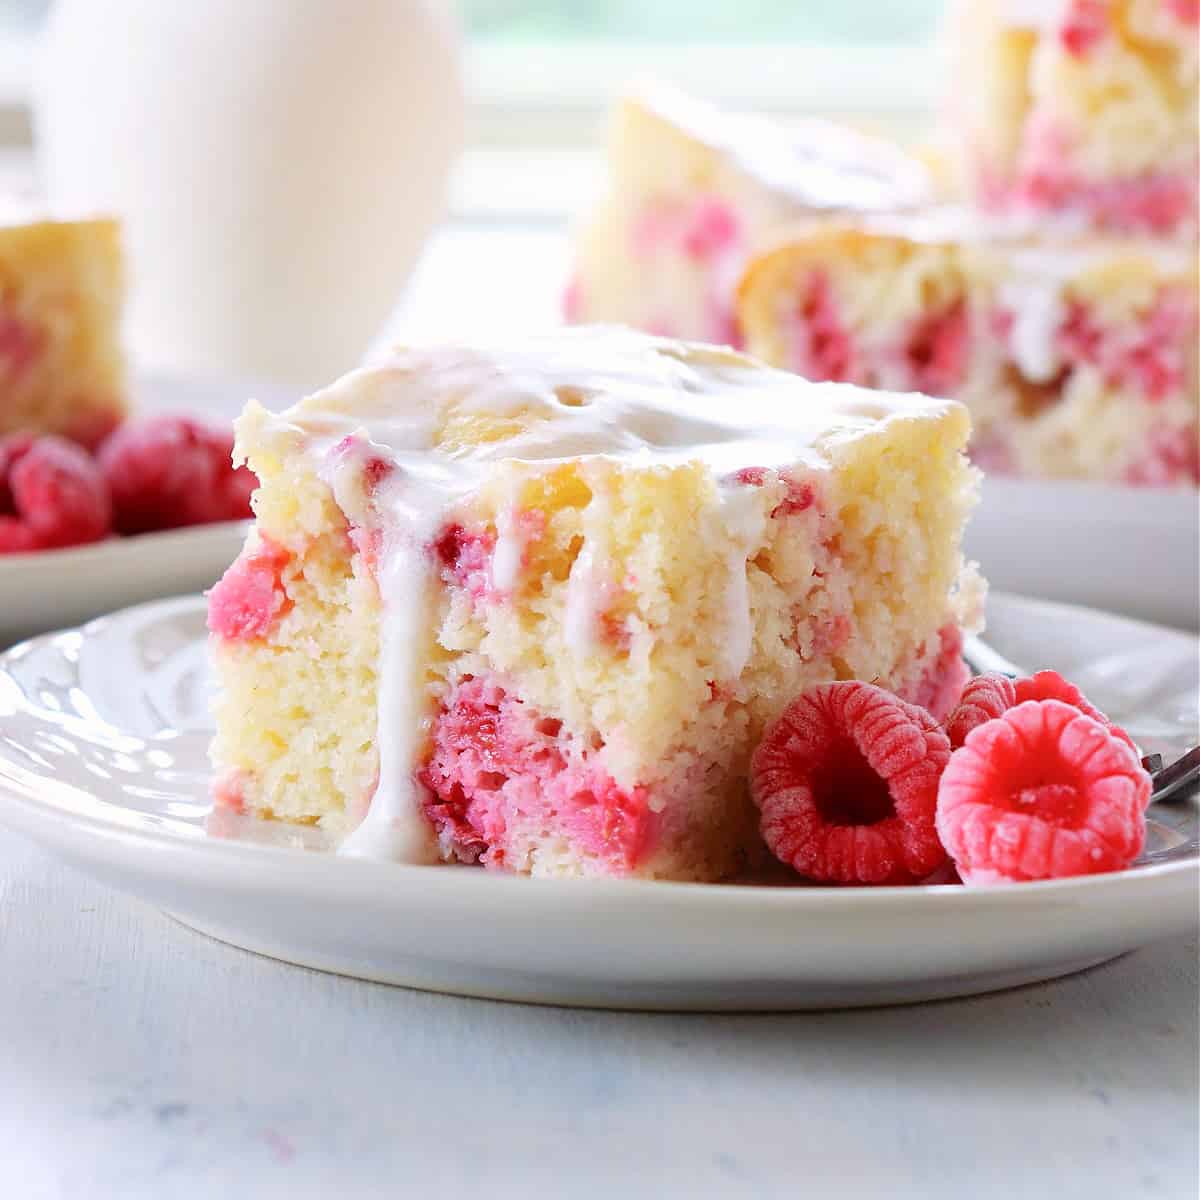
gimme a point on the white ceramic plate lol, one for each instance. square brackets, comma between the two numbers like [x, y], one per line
[59, 587]
[1128, 550]
[103, 733]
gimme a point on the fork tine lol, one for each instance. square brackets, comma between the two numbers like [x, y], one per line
[983, 660]
[1176, 782]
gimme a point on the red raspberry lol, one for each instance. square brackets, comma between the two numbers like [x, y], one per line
[985, 698]
[170, 471]
[989, 696]
[937, 351]
[1050, 685]
[1042, 792]
[251, 597]
[51, 495]
[846, 781]
[1086, 24]
[12, 448]
[16, 537]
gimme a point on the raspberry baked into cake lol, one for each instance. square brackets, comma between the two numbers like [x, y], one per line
[1076, 360]
[1085, 109]
[532, 605]
[692, 189]
[61, 291]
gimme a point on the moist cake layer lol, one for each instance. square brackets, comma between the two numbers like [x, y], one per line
[532, 605]
[61, 365]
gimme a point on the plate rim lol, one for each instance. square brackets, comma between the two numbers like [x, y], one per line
[231, 857]
[221, 862]
[111, 548]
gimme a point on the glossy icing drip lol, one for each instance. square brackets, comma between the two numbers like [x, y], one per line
[1038, 309]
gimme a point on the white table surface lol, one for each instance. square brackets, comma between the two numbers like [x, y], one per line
[140, 1059]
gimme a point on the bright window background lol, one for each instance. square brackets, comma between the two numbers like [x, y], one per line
[518, 44]
[541, 73]
[817, 22]
[864, 22]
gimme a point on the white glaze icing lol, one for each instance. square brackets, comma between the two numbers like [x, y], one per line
[1038, 309]
[394, 827]
[816, 163]
[605, 393]
[508, 551]
[590, 583]
[745, 520]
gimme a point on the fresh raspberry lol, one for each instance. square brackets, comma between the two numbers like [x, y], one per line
[936, 351]
[1050, 685]
[985, 698]
[1086, 25]
[16, 537]
[846, 781]
[464, 555]
[51, 495]
[169, 471]
[1042, 792]
[13, 447]
[250, 597]
[989, 696]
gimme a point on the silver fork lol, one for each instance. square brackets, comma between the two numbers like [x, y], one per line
[1170, 784]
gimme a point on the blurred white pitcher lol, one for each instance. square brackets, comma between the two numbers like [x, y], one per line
[278, 164]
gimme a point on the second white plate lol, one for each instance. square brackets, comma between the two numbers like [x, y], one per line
[60, 587]
[1124, 549]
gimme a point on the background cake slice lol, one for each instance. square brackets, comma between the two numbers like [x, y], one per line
[879, 303]
[1084, 110]
[1077, 359]
[61, 365]
[692, 189]
[533, 605]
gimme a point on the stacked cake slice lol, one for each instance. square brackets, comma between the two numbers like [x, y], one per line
[532, 605]
[61, 365]
[1083, 111]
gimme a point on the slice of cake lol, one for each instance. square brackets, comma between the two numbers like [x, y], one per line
[61, 290]
[1085, 109]
[692, 189]
[533, 605]
[880, 303]
[1076, 360]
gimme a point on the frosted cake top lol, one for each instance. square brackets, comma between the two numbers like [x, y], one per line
[814, 162]
[585, 391]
